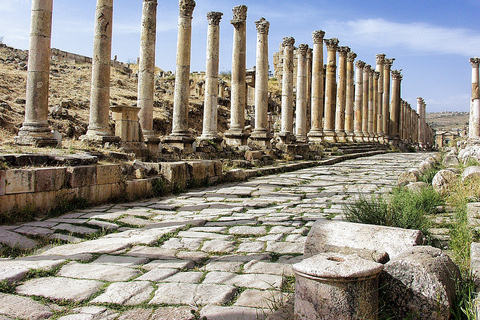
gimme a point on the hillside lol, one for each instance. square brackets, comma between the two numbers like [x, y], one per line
[448, 121]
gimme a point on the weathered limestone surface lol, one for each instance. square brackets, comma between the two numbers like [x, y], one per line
[318, 87]
[287, 90]
[341, 94]
[474, 128]
[330, 90]
[302, 93]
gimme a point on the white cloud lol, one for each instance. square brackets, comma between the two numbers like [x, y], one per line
[416, 37]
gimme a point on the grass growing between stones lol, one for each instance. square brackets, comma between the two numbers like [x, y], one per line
[401, 208]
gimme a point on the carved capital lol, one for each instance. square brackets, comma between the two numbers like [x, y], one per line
[331, 44]
[186, 7]
[239, 14]
[214, 18]
[367, 68]
[360, 64]
[317, 36]
[397, 75]
[475, 62]
[303, 49]
[351, 56]
[343, 50]
[380, 58]
[376, 75]
[388, 62]
[288, 41]
[262, 26]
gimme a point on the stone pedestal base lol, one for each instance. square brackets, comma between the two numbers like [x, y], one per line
[350, 137]
[286, 137]
[93, 137]
[30, 135]
[358, 137]
[153, 144]
[336, 286]
[341, 136]
[184, 143]
[294, 148]
[315, 136]
[236, 138]
[329, 136]
[211, 143]
[261, 139]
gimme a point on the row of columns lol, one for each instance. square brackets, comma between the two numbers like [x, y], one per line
[354, 107]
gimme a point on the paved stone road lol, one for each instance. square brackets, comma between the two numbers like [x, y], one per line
[223, 251]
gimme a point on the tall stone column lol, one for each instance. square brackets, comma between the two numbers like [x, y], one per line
[236, 135]
[474, 128]
[421, 128]
[341, 94]
[402, 120]
[350, 93]
[386, 97]
[366, 86]
[318, 86]
[210, 114]
[376, 76]
[35, 129]
[146, 73]
[261, 135]
[380, 60]
[396, 105]
[330, 90]
[301, 109]
[98, 129]
[371, 106]
[286, 133]
[359, 101]
[180, 136]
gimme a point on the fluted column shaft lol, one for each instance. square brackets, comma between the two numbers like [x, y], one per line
[318, 73]
[236, 134]
[341, 94]
[301, 110]
[380, 59]
[359, 101]
[210, 114]
[146, 68]
[376, 76]
[474, 127]
[421, 128]
[366, 86]
[396, 104]
[371, 106]
[330, 90]
[350, 97]
[287, 89]
[386, 96]
[35, 129]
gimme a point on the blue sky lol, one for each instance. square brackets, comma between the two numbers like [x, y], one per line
[432, 40]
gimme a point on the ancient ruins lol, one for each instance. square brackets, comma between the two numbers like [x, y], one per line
[264, 233]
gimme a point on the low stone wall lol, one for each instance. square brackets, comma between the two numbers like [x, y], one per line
[44, 188]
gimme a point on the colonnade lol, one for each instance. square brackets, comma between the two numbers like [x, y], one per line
[349, 101]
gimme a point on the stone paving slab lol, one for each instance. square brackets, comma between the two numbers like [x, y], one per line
[193, 294]
[213, 312]
[13, 240]
[126, 293]
[23, 308]
[97, 271]
[60, 288]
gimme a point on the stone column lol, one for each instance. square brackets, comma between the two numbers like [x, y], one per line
[35, 130]
[341, 94]
[180, 136]
[236, 135]
[260, 134]
[330, 90]
[221, 88]
[386, 97]
[301, 109]
[286, 133]
[376, 76]
[380, 59]
[359, 101]
[318, 72]
[146, 70]
[402, 120]
[474, 128]
[366, 73]
[349, 113]
[396, 105]
[98, 128]
[421, 128]
[210, 114]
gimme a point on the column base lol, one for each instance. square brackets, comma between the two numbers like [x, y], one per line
[315, 136]
[236, 137]
[261, 139]
[301, 138]
[286, 137]
[184, 143]
[208, 142]
[358, 137]
[36, 134]
[153, 144]
[99, 138]
[329, 136]
[341, 136]
[350, 137]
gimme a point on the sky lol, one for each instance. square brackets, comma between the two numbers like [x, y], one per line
[431, 40]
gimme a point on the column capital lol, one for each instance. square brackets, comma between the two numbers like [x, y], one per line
[360, 64]
[367, 68]
[351, 56]
[376, 74]
[388, 62]
[317, 36]
[420, 100]
[380, 58]
[239, 14]
[331, 44]
[397, 75]
[186, 7]
[214, 18]
[263, 26]
[343, 50]
[288, 41]
[303, 49]
[475, 62]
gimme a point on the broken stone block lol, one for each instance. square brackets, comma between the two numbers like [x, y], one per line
[50, 179]
[82, 176]
[443, 180]
[109, 173]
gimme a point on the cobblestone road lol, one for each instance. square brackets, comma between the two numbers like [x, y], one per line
[225, 251]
